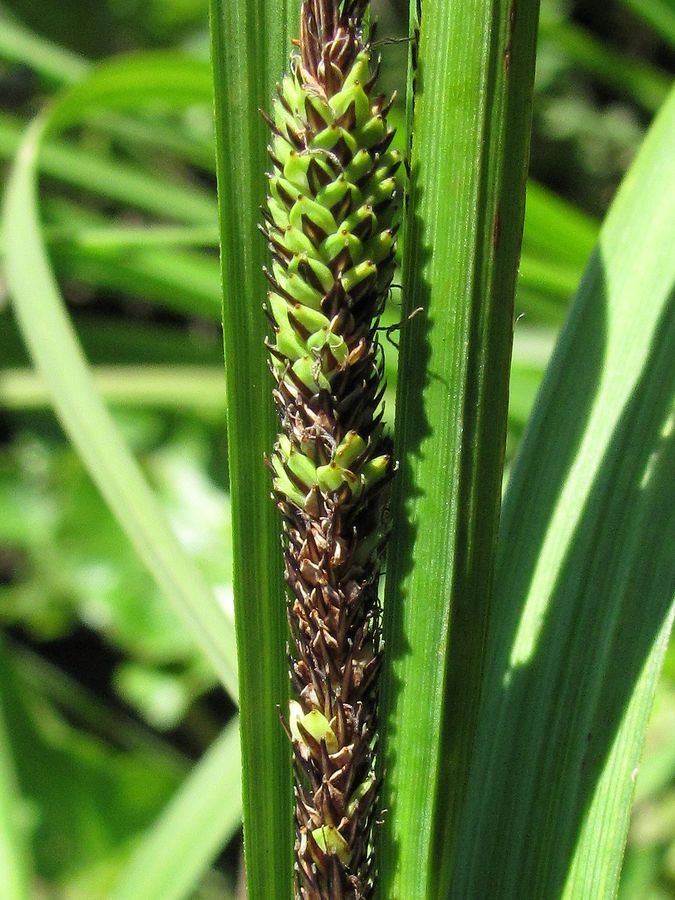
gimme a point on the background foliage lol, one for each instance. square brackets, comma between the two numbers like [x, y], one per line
[106, 702]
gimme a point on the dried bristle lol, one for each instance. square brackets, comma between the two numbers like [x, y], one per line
[328, 223]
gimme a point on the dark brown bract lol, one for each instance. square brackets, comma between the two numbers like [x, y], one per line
[330, 40]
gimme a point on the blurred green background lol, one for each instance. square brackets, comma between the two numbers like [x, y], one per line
[107, 703]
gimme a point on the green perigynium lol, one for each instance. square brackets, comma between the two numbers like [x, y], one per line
[328, 223]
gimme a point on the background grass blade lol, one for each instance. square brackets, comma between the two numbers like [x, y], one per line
[250, 47]
[20, 44]
[135, 81]
[584, 575]
[646, 84]
[124, 182]
[201, 388]
[555, 229]
[49, 335]
[14, 854]
[660, 14]
[169, 861]
[103, 239]
[463, 239]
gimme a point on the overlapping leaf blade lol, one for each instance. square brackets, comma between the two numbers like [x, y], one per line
[584, 580]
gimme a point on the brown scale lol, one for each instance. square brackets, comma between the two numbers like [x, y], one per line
[334, 616]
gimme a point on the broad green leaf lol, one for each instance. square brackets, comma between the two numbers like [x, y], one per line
[471, 135]
[583, 598]
[250, 43]
[48, 332]
[189, 834]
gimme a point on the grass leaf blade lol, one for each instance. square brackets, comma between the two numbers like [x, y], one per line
[584, 572]
[462, 244]
[250, 46]
[169, 861]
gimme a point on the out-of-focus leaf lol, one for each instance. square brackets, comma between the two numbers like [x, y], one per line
[48, 332]
[660, 14]
[138, 81]
[644, 83]
[87, 800]
[555, 229]
[21, 45]
[201, 817]
[15, 867]
[116, 341]
[91, 712]
[121, 181]
[72, 565]
[199, 389]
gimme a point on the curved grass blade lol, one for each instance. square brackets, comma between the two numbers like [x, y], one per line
[49, 335]
[191, 831]
[123, 182]
[57, 64]
[584, 577]
[134, 81]
[21, 45]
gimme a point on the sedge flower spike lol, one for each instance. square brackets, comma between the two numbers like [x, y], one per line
[328, 223]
